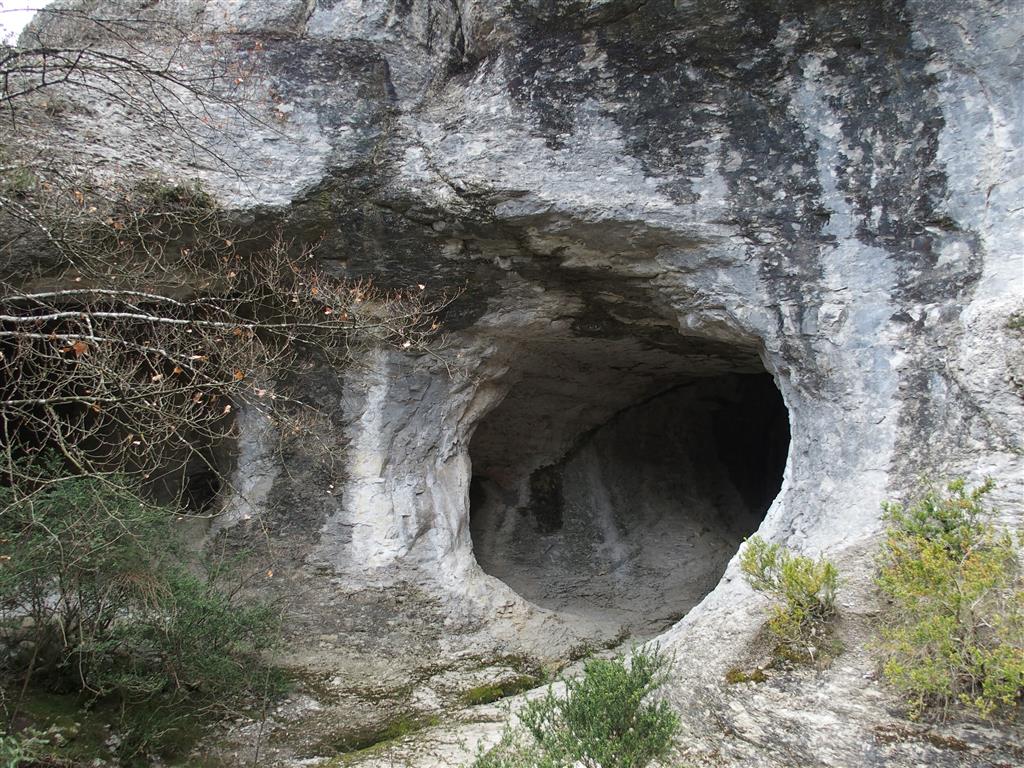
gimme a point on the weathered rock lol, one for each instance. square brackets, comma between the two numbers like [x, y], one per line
[639, 196]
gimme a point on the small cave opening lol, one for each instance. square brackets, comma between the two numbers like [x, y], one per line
[615, 480]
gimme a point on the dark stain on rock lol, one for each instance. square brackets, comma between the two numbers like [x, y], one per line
[347, 83]
[891, 123]
[544, 81]
[402, 8]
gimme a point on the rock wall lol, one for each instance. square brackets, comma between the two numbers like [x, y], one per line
[636, 196]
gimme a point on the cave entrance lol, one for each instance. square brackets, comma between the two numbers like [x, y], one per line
[616, 479]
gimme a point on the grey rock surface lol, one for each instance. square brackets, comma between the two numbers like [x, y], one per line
[637, 196]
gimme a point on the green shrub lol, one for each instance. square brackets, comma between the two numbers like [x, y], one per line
[19, 749]
[96, 598]
[954, 629]
[800, 627]
[605, 720]
[514, 750]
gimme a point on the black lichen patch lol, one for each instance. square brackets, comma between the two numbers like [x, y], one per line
[543, 82]
[684, 81]
[677, 75]
[403, 7]
[347, 83]
[693, 86]
[891, 123]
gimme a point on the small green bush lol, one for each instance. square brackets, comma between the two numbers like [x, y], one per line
[954, 629]
[605, 720]
[18, 750]
[96, 599]
[807, 589]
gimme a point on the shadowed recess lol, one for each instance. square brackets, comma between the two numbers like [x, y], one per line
[616, 480]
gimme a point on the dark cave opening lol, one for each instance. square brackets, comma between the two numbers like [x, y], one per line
[620, 493]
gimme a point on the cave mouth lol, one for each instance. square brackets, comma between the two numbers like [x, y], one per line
[619, 492]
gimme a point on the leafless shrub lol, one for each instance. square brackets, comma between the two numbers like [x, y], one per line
[120, 378]
[159, 317]
[162, 72]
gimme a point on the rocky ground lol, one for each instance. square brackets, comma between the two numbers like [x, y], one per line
[406, 687]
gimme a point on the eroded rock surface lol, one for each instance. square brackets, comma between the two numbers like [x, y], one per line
[637, 197]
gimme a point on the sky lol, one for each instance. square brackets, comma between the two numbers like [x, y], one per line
[14, 15]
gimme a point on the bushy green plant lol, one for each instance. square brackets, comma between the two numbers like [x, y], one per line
[19, 749]
[75, 554]
[96, 598]
[605, 719]
[807, 589]
[954, 630]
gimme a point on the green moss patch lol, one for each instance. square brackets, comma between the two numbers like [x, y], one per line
[77, 731]
[491, 692]
[71, 732]
[375, 736]
[737, 675]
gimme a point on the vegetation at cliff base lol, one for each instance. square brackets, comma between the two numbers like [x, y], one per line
[800, 627]
[606, 719]
[98, 603]
[954, 629]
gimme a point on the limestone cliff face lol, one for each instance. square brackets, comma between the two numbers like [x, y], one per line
[641, 197]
